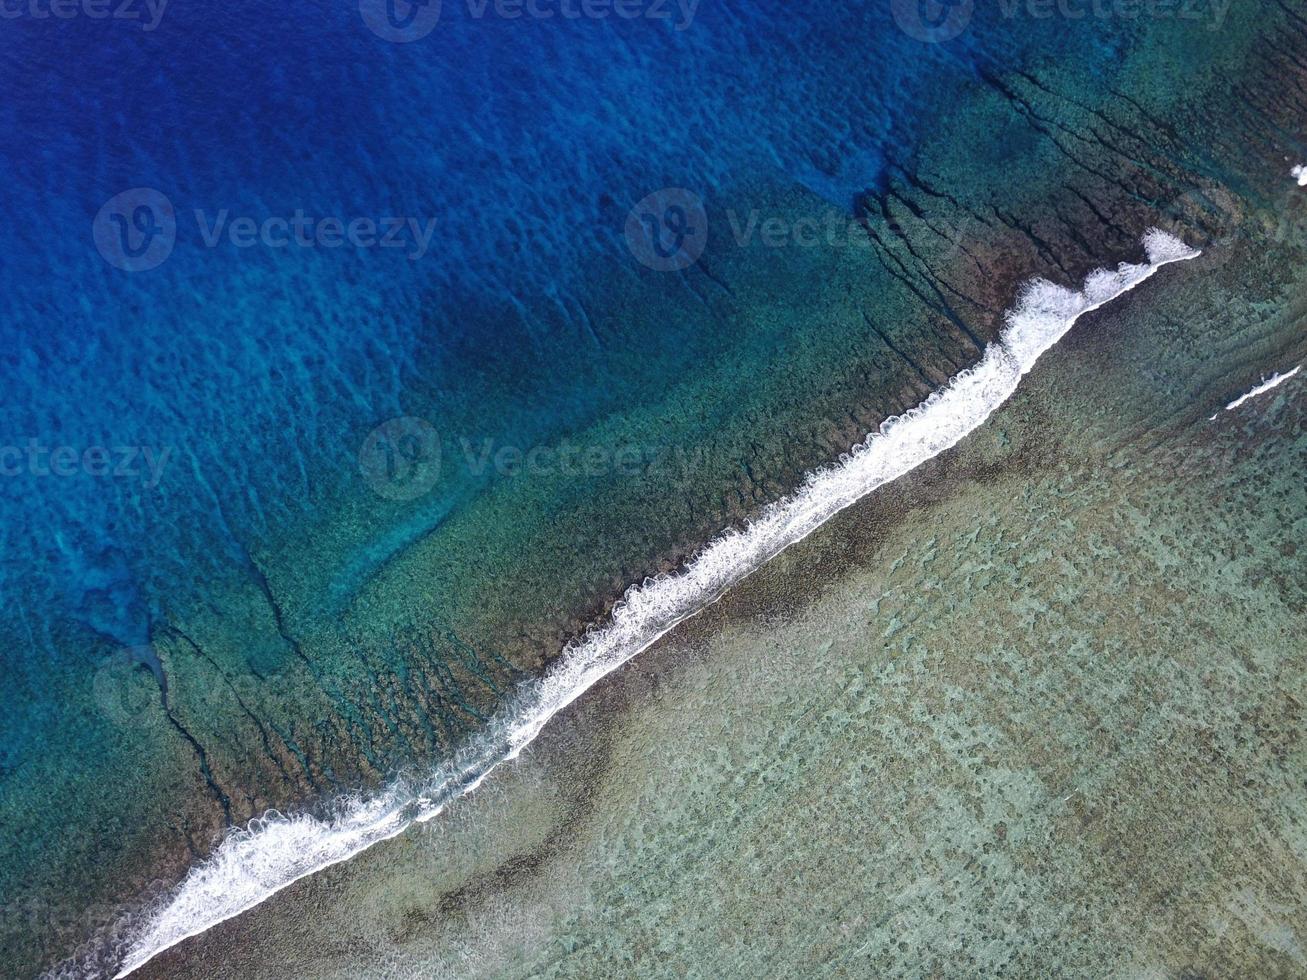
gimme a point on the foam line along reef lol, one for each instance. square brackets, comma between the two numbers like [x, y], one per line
[1268, 384]
[268, 855]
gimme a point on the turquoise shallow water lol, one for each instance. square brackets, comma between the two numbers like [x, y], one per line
[1031, 710]
[300, 601]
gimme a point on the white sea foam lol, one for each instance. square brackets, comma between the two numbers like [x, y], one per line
[1299, 174]
[1274, 381]
[255, 863]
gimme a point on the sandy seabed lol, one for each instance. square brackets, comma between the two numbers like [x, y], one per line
[1036, 707]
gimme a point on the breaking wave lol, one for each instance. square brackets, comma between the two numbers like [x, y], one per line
[270, 854]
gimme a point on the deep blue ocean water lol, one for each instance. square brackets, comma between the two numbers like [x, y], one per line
[182, 395]
[515, 146]
[510, 150]
[232, 385]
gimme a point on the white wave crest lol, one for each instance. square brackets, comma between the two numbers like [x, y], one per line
[255, 863]
[1268, 384]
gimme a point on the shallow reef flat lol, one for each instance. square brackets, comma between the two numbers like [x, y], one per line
[1034, 708]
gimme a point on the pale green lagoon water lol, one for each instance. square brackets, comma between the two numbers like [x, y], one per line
[1036, 709]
